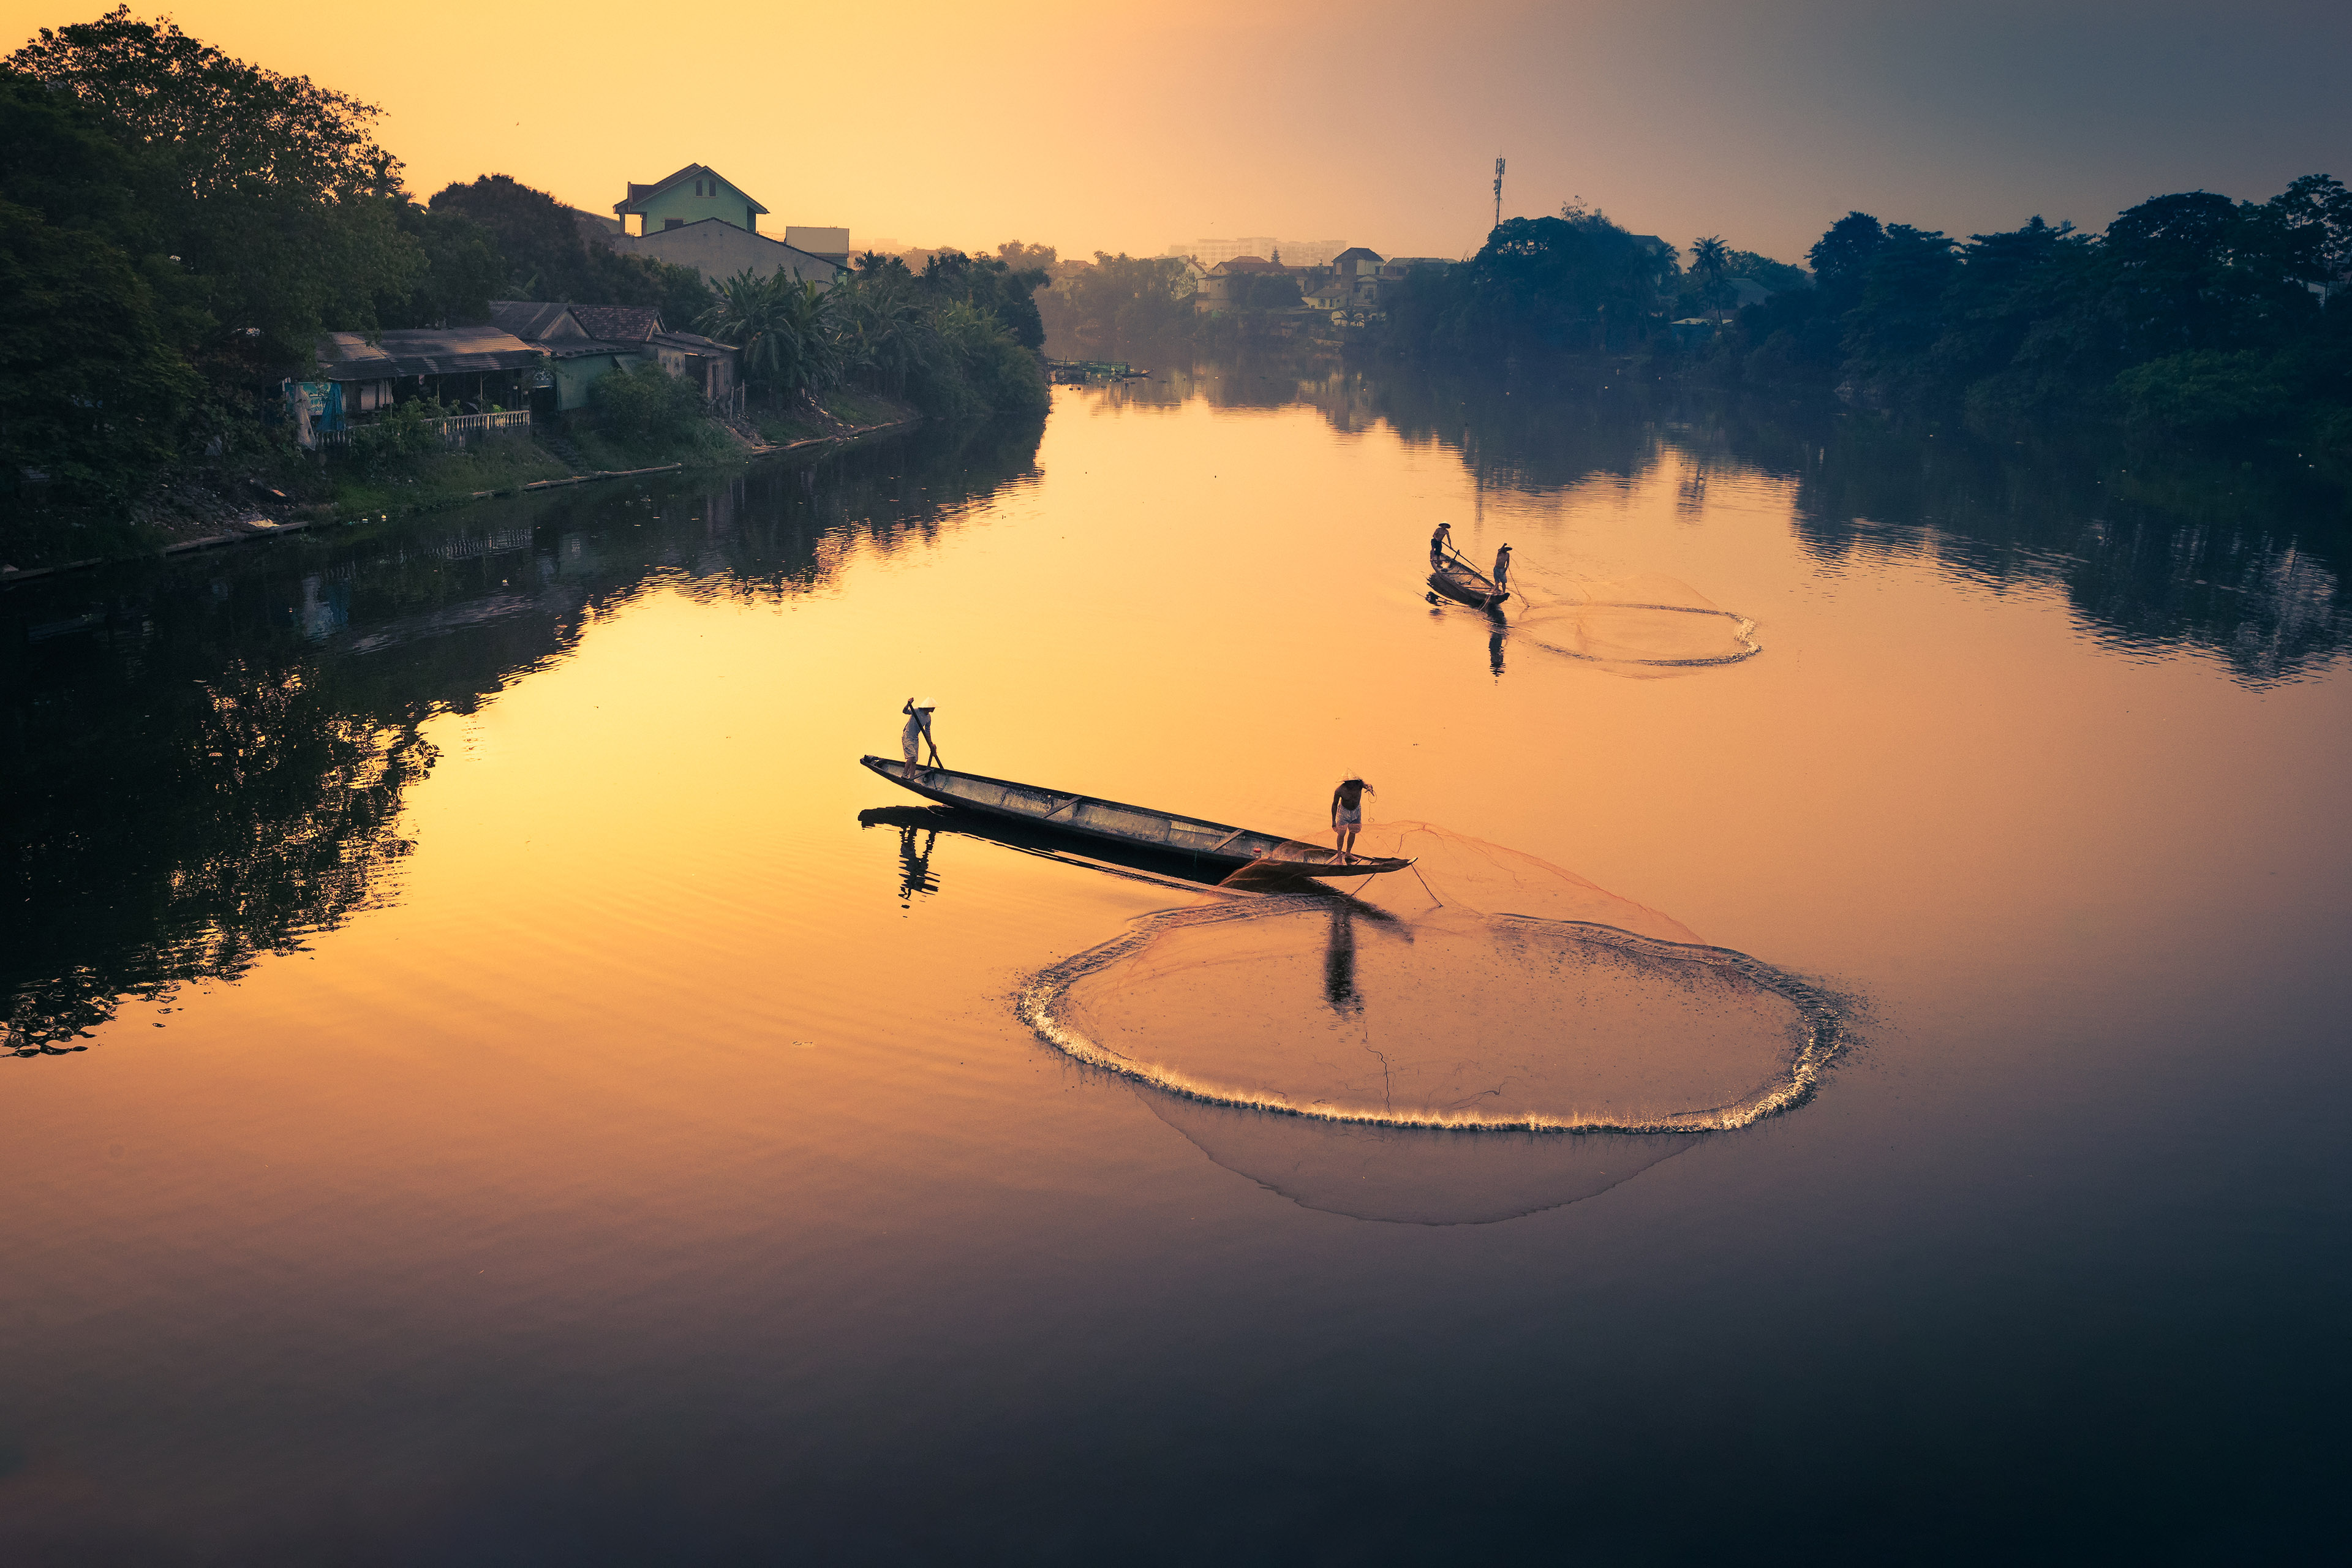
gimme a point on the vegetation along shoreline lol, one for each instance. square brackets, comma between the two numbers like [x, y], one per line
[230, 319]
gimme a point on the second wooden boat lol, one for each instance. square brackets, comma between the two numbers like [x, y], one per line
[1463, 584]
[1206, 844]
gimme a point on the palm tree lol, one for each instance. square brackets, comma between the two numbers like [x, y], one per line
[885, 329]
[785, 329]
[1710, 263]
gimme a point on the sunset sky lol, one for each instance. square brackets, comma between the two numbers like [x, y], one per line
[1094, 126]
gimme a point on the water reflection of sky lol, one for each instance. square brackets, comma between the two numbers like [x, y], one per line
[565, 1115]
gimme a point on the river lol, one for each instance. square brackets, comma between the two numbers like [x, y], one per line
[492, 1085]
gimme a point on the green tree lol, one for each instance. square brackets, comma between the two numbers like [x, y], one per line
[887, 334]
[1121, 302]
[463, 271]
[549, 256]
[1020, 257]
[92, 391]
[95, 388]
[1842, 256]
[988, 283]
[1900, 316]
[1574, 282]
[786, 328]
[281, 207]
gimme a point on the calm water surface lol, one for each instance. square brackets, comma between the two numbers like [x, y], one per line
[484, 1096]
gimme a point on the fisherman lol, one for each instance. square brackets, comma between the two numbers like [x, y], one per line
[1440, 542]
[918, 732]
[1347, 812]
[1502, 573]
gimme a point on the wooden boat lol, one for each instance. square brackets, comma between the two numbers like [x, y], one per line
[1465, 583]
[1209, 846]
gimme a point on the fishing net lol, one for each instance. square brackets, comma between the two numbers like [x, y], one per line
[1412, 1175]
[1481, 989]
[1644, 625]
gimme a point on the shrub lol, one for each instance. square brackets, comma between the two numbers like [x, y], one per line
[409, 431]
[645, 404]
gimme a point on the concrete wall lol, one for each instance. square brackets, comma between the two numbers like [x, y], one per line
[720, 251]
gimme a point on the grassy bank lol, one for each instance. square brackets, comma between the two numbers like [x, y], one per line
[380, 482]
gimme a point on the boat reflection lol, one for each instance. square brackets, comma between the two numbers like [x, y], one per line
[1043, 842]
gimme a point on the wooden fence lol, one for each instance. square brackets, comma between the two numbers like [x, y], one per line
[456, 430]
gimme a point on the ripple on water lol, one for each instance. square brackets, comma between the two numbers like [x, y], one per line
[1644, 625]
[1427, 1004]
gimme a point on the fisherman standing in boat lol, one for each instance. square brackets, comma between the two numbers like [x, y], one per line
[1502, 571]
[1440, 542]
[1347, 813]
[918, 732]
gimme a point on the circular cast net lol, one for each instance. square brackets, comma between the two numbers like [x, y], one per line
[1641, 625]
[1481, 989]
[1412, 1175]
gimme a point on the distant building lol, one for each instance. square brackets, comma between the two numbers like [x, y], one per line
[1310, 252]
[1209, 252]
[696, 218]
[584, 341]
[1215, 294]
[708, 363]
[1294, 252]
[575, 357]
[1356, 274]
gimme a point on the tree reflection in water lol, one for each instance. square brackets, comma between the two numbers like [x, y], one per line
[2240, 555]
[205, 760]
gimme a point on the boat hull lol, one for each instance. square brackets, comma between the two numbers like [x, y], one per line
[1213, 847]
[1464, 587]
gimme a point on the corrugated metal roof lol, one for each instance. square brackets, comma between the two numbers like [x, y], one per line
[618, 323]
[694, 342]
[449, 350]
[590, 348]
[530, 319]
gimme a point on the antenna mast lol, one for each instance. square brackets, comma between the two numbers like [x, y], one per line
[1498, 192]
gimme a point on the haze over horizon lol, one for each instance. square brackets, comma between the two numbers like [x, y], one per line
[1087, 129]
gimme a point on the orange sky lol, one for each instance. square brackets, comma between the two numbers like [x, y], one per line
[1376, 123]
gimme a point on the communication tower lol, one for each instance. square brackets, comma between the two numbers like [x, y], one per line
[1498, 192]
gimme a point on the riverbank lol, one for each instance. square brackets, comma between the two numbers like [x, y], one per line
[210, 510]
